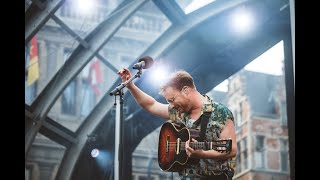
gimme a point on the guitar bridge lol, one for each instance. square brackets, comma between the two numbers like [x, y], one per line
[178, 146]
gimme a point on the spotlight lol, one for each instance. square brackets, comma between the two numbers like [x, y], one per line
[95, 152]
[159, 73]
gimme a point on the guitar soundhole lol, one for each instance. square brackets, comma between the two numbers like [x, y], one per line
[171, 153]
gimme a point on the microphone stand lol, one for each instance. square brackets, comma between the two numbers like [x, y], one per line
[120, 129]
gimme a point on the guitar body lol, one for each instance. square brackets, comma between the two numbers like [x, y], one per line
[171, 155]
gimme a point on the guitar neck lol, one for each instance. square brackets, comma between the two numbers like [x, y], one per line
[221, 146]
[201, 145]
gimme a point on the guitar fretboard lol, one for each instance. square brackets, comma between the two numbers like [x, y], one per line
[201, 145]
[198, 145]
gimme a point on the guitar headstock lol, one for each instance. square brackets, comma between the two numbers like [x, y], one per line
[222, 145]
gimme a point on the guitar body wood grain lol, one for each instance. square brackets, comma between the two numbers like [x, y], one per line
[169, 159]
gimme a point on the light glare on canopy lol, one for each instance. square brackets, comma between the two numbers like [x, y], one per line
[159, 73]
[85, 6]
[241, 21]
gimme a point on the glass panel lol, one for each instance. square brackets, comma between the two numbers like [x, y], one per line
[43, 159]
[222, 86]
[44, 57]
[189, 6]
[136, 34]
[83, 16]
[270, 62]
[82, 94]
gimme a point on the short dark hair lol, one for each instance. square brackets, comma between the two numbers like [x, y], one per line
[177, 80]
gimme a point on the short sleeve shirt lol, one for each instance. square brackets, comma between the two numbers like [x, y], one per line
[217, 121]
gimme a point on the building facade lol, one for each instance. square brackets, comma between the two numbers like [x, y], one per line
[259, 105]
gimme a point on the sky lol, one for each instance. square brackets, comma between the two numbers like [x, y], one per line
[270, 62]
[196, 4]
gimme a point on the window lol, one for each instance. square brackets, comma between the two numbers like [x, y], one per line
[259, 154]
[240, 111]
[242, 155]
[68, 99]
[236, 119]
[259, 143]
[238, 115]
[238, 166]
[284, 154]
[245, 153]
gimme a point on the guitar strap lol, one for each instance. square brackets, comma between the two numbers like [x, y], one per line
[204, 118]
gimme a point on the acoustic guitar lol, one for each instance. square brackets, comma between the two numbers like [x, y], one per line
[172, 156]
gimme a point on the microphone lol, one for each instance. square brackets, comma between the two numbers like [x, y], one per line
[144, 63]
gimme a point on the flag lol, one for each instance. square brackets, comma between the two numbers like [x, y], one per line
[96, 77]
[32, 62]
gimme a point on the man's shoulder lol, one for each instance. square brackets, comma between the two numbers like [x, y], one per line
[220, 106]
[222, 110]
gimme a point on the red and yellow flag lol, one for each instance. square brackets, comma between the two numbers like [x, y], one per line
[33, 65]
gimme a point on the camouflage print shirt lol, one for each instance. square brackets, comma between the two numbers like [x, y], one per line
[216, 123]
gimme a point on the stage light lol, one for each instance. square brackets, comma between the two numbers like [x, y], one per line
[95, 152]
[242, 21]
[85, 6]
[159, 73]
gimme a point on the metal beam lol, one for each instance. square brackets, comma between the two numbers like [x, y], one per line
[107, 63]
[290, 97]
[57, 132]
[172, 10]
[70, 31]
[293, 35]
[36, 17]
[82, 42]
[52, 129]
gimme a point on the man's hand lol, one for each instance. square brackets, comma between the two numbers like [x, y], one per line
[189, 150]
[125, 75]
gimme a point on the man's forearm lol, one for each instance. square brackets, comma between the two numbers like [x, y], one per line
[211, 154]
[143, 99]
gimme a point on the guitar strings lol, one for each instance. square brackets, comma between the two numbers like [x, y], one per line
[195, 145]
